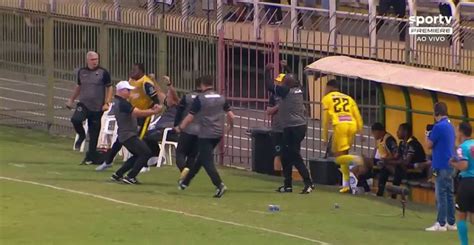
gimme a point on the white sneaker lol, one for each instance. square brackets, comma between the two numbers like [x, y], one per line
[145, 169]
[452, 227]
[437, 227]
[103, 167]
[152, 161]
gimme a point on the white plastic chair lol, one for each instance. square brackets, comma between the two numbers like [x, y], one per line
[109, 131]
[81, 149]
[166, 156]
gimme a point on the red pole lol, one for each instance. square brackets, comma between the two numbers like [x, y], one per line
[221, 83]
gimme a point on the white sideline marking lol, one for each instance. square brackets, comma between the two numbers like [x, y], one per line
[18, 165]
[165, 210]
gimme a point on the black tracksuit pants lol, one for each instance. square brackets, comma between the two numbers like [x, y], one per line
[398, 174]
[205, 159]
[93, 123]
[291, 155]
[117, 145]
[187, 151]
[141, 154]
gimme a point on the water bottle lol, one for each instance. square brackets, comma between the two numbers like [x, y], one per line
[273, 208]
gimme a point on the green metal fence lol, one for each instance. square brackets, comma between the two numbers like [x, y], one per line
[40, 54]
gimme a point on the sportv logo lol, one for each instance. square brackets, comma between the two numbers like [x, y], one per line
[430, 25]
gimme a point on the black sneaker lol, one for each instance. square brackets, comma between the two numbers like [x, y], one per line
[220, 191]
[86, 161]
[181, 186]
[78, 143]
[307, 189]
[130, 181]
[116, 178]
[284, 189]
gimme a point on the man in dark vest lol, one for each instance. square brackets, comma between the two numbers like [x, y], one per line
[209, 109]
[95, 94]
[188, 139]
[126, 116]
[293, 120]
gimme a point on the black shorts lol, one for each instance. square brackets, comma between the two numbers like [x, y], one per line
[465, 195]
[277, 138]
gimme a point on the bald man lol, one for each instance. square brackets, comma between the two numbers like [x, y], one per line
[95, 94]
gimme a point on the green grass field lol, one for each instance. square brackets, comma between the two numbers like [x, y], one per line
[62, 202]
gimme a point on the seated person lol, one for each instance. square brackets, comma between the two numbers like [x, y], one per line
[411, 152]
[155, 132]
[158, 126]
[146, 94]
[166, 120]
[410, 156]
[386, 148]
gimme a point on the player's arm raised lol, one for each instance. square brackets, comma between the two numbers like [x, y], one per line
[282, 90]
[161, 96]
[172, 95]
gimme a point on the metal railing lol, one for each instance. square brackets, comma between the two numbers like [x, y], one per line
[358, 32]
[41, 52]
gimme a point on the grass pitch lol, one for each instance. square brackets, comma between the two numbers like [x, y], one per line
[47, 198]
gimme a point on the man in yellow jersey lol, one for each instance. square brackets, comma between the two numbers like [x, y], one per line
[165, 120]
[342, 112]
[143, 97]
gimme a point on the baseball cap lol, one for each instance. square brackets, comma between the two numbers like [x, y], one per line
[124, 85]
[279, 78]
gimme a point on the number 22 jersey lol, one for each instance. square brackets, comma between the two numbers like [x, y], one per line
[341, 108]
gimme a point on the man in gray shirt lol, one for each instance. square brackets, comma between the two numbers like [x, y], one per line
[188, 139]
[209, 109]
[126, 116]
[293, 120]
[95, 94]
[274, 112]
